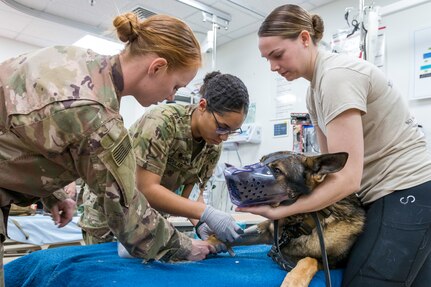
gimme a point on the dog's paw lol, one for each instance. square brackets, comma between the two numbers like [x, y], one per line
[219, 245]
[301, 275]
[294, 282]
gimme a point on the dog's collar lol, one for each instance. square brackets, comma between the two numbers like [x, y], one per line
[290, 232]
[305, 228]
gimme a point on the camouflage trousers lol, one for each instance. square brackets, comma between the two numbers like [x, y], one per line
[93, 221]
[95, 238]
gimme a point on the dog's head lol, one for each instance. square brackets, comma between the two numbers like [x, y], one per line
[299, 174]
[281, 177]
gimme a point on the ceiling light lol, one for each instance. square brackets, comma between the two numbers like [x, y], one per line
[99, 45]
[215, 13]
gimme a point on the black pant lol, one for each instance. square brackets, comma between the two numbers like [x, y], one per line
[394, 249]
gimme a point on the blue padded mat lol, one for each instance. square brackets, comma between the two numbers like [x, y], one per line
[99, 265]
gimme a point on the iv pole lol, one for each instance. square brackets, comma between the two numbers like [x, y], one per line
[215, 27]
[216, 17]
[214, 52]
[361, 27]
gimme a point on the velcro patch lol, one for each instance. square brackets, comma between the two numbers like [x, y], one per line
[120, 152]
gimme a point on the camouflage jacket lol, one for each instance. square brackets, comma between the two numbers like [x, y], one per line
[163, 144]
[59, 120]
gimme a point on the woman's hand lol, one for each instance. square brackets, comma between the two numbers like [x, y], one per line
[70, 190]
[200, 250]
[62, 212]
[267, 211]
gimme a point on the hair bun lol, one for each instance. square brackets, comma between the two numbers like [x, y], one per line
[208, 77]
[127, 25]
[318, 27]
[211, 75]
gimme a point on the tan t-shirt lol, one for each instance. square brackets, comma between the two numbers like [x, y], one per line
[395, 153]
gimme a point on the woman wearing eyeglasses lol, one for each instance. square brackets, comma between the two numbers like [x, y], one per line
[177, 146]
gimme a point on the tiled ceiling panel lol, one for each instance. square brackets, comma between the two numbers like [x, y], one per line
[46, 22]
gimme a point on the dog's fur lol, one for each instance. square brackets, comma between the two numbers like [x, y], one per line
[299, 174]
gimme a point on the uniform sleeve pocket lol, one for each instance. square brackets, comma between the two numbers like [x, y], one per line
[120, 161]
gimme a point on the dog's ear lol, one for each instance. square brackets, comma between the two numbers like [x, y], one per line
[323, 164]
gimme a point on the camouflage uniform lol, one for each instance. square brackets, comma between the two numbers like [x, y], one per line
[163, 144]
[59, 120]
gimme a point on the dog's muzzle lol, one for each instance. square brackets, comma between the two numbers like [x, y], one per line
[253, 185]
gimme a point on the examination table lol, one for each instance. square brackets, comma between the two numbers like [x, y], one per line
[99, 265]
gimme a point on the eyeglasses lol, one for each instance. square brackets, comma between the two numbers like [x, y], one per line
[224, 131]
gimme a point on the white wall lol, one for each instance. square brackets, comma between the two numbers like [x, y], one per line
[131, 110]
[242, 58]
[400, 58]
[399, 50]
[11, 48]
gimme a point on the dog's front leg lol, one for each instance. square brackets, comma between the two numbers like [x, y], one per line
[302, 274]
[256, 234]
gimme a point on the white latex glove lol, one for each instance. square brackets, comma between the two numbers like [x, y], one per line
[122, 251]
[203, 232]
[222, 224]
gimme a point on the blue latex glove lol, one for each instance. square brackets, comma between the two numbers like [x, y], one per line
[222, 224]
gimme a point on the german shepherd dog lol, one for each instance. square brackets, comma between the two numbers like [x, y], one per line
[341, 222]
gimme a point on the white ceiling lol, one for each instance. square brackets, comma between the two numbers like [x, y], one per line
[52, 22]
